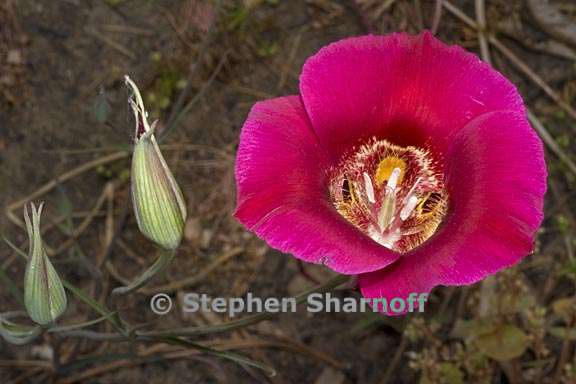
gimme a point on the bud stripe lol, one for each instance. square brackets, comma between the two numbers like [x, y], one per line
[156, 202]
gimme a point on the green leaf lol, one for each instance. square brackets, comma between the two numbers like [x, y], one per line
[18, 251]
[472, 328]
[451, 374]
[71, 327]
[235, 357]
[564, 307]
[563, 333]
[505, 343]
[15, 333]
[112, 317]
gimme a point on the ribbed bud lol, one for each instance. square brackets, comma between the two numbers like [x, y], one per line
[44, 295]
[158, 202]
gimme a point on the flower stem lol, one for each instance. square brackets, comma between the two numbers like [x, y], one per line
[161, 262]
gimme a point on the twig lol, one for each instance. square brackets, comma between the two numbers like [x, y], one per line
[291, 55]
[118, 28]
[25, 377]
[395, 361]
[515, 60]
[251, 92]
[60, 179]
[437, 17]
[25, 364]
[112, 44]
[459, 14]
[546, 137]
[176, 110]
[533, 76]
[115, 274]
[379, 12]
[117, 231]
[85, 223]
[291, 345]
[152, 355]
[511, 371]
[481, 22]
[195, 99]
[130, 252]
[551, 143]
[551, 47]
[553, 21]
[564, 353]
[109, 224]
[191, 280]
[419, 16]
[302, 270]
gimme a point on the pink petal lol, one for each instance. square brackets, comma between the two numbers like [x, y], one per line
[408, 89]
[496, 179]
[282, 197]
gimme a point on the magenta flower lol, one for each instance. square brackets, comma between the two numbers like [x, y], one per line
[405, 161]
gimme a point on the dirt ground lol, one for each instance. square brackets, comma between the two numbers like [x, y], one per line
[203, 64]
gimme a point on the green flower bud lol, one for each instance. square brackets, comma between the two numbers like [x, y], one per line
[158, 202]
[44, 295]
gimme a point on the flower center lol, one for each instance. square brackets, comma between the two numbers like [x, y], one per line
[393, 194]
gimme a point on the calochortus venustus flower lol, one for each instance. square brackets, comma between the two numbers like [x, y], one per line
[405, 161]
[44, 295]
[158, 202]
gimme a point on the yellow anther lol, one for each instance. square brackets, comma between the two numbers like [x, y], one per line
[386, 167]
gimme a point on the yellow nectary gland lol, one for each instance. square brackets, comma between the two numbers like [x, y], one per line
[393, 194]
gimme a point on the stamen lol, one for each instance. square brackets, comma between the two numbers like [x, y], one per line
[369, 188]
[393, 180]
[409, 207]
[411, 191]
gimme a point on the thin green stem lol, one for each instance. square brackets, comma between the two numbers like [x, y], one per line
[164, 258]
[71, 327]
[235, 357]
